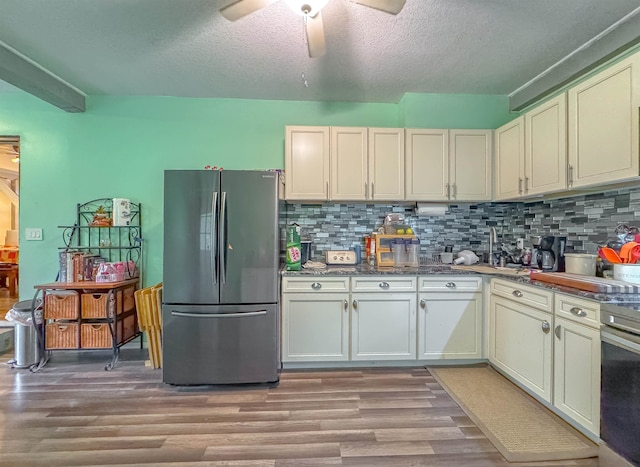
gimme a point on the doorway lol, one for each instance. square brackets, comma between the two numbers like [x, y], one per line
[9, 221]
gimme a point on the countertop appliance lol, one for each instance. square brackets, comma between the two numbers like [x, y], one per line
[220, 307]
[620, 387]
[548, 253]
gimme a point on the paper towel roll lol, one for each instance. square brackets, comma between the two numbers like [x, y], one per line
[11, 238]
[431, 209]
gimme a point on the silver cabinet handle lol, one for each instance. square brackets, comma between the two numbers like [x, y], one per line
[316, 286]
[423, 303]
[578, 312]
[455, 191]
[558, 331]
[355, 304]
[517, 293]
[519, 186]
[366, 191]
[450, 285]
[327, 195]
[383, 285]
[526, 185]
[448, 191]
[372, 193]
[570, 175]
[546, 327]
[346, 305]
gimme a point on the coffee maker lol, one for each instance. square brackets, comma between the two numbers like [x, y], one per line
[548, 253]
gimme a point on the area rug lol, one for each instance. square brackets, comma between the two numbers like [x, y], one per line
[520, 428]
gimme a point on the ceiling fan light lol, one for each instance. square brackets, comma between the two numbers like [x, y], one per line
[307, 7]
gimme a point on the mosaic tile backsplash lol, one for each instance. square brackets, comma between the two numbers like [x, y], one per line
[587, 221]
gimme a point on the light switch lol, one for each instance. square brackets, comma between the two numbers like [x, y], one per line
[33, 234]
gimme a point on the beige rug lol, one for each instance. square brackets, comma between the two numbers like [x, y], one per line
[521, 428]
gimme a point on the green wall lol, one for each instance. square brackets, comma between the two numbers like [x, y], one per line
[121, 145]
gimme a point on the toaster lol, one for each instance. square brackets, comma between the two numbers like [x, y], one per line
[340, 257]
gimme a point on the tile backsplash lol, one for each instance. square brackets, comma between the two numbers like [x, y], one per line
[587, 221]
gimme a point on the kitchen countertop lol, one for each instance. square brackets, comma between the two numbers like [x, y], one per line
[443, 269]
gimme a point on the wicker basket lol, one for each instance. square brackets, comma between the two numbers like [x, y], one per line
[95, 336]
[61, 305]
[94, 305]
[61, 335]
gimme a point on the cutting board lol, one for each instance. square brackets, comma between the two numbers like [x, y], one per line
[588, 283]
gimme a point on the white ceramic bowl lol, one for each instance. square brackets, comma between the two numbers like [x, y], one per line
[627, 272]
[580, 263]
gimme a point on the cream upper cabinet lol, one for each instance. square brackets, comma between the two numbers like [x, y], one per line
[349, 179]
[509, 158]
[367, 164]
[427, 164]
[386, 164]
[603, 126]
[306, 163]
[546, 147]
[470, 165]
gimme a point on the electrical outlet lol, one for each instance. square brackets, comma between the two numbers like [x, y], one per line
[520, 243]
[33, 234]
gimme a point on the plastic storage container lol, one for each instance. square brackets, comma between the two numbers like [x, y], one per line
[578, 263]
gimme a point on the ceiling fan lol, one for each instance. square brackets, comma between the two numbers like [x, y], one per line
[310, 10]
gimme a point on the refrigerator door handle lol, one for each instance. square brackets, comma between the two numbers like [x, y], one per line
[223, 238]
[214, 230]
[185, 314]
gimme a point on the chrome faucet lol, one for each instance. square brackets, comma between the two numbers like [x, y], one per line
[493, 237]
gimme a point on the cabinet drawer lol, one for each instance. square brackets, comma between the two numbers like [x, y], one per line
[525, 294]
[315, 284]
[450, 283]
[384, 284]
[579, 310]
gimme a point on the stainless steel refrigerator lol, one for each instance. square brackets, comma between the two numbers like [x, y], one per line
[220, 311]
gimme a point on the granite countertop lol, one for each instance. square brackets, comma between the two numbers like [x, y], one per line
[443, 269]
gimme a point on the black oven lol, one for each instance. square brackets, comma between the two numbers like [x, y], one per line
[620, 390]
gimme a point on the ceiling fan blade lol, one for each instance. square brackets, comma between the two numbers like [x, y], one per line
[315, 35]
[243, 8]
[390, 6]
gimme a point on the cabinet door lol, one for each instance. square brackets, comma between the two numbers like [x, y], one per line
[546, 148]
[307, 163]
[470, 165]
[520, 344]
[427, 165]
[383, 326]
[509, 173]
[386, 164]
[603, 125]
[315, 327]
[450, 325]
[349, 175]
[576, 389]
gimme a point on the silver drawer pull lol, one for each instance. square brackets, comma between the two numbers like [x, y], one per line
[355, 304]
[384, 285]
[451, 285]
[517, 293]
[316, 286]
[558, 331]
[578, 312]
[346, 305]
[546, 327]
[423, 303]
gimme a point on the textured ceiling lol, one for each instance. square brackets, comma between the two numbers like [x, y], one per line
[185, 48]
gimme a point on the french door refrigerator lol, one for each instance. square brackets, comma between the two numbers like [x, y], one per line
[220, 277]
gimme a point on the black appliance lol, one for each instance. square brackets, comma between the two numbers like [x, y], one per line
[620, 387]
[548, 253]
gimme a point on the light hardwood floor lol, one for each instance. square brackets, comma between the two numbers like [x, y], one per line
[74, 413]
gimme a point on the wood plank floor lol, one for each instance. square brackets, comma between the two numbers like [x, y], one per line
[74, 413]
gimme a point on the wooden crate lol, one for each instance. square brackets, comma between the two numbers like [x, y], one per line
[97, 336]
[94, 305]
[61, 305]
[62, 335]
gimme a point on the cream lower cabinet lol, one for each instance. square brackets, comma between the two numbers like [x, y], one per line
[315, 319]
[449, 317]
[576, 391]
[521, 341]
[383, 318]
